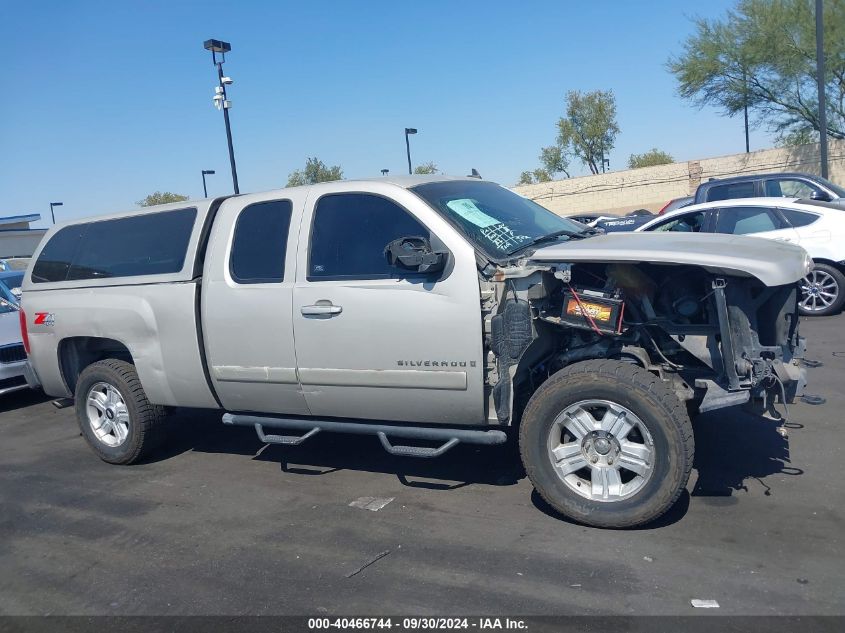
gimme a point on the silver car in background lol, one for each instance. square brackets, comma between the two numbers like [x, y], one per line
[12, 354]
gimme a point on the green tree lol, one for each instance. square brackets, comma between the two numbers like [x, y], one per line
[526, 178]
[532, 177]
[161, 197]
[798, 136]
[554, 161]
[650, 158]
[763, 55]
[426, 168]
[315, 171]
[588, 131]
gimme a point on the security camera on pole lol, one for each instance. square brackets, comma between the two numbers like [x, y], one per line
[221, 101]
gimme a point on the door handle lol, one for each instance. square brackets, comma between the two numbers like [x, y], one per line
[321, 309]
[783, 239]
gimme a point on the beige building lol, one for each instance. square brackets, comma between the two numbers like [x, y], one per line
[16, 238]
[619, 192]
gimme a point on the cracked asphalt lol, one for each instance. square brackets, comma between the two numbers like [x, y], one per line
[218, 523]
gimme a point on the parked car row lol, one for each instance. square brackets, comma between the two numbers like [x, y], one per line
[12, 353]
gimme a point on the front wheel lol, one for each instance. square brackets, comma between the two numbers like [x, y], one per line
[113, 412]
[607, 444]
[822, 291]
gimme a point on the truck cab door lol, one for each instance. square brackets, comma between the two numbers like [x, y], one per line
[247, 303]
[374, 341]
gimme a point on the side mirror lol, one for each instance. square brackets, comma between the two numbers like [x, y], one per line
[414, 254]
[820, 196]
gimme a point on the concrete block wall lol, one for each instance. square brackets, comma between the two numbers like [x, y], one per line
[618, 192]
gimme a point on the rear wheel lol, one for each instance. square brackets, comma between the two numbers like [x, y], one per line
[113, 412]
[607, 444]
[822, 291]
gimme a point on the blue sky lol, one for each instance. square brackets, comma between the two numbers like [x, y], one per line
[104, 102]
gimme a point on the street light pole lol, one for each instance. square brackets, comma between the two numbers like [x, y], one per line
[820, 84]
[409, 130]
[745, 110]
[221, 100]
[52, 214]
[204, 172]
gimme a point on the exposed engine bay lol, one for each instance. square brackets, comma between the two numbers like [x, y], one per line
[719, 340]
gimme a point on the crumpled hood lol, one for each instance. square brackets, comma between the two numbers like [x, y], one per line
[772, 262]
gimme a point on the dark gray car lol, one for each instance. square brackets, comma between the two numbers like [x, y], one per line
[782, 185]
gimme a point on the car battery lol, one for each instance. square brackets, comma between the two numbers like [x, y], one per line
[593, 310]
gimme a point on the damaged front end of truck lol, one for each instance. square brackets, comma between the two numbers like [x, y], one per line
[719, 329]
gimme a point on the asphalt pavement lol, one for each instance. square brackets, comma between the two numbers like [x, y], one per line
[218, 523]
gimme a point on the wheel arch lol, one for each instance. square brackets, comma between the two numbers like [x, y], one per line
[75, 353]
[829, 262]
[543, 351]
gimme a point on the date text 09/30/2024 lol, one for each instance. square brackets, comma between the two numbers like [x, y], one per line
[412, 624]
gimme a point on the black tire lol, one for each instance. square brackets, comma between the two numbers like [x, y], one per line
[645, 396]
[836, 280]
[145, 420]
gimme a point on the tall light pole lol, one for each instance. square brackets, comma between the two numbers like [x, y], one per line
[52, 214]
[409, 130]
[745, 109]
[221, 101]
[204, 172]
[820, 84]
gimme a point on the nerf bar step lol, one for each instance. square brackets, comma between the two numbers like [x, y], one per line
[449, 437]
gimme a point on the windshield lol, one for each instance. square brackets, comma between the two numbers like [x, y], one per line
[497, 220]
[839, 191]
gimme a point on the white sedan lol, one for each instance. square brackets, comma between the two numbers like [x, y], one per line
[819, 227]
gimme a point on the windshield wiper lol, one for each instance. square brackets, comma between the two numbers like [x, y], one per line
[551, 237]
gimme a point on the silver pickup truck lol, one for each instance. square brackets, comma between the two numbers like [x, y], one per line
[426, 311]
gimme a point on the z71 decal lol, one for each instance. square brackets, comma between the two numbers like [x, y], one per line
[44, 318]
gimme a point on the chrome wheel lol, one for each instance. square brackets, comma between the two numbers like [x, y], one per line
[107, 414]
[819, 290]
[601, 450]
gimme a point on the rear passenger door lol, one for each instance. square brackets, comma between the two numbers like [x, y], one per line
[247, 303]
[373, 341]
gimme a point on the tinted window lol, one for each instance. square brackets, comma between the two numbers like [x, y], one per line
[687, 223]
[745, 220]
[260, 242]
[55, 259]
[150, 244]
[798, 218]
[789, 188]
[734, 190]
[350, 232]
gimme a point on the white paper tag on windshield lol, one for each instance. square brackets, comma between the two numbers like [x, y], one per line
[467, 210]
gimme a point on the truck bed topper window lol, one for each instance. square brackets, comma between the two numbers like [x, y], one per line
[146, 244]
